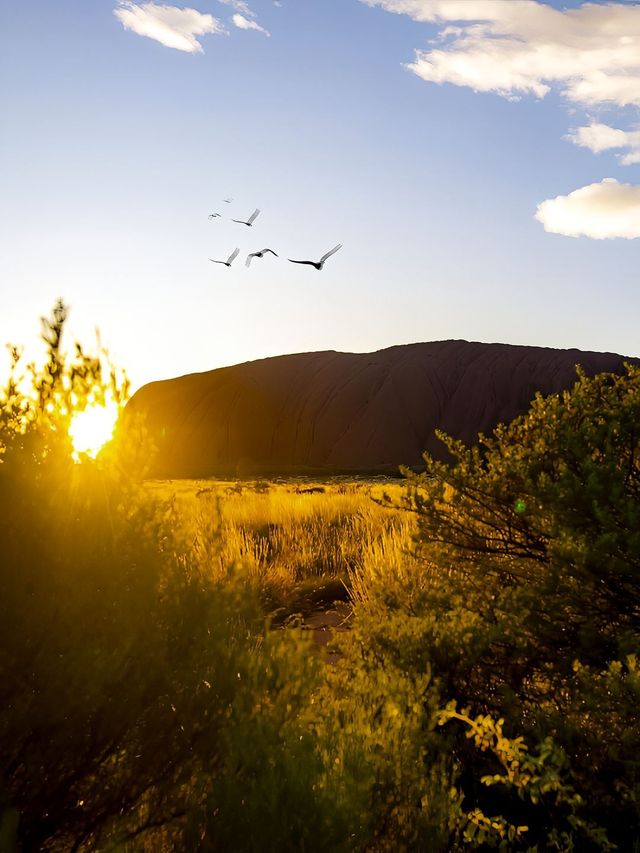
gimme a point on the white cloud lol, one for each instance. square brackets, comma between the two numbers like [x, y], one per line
[603, 210]
[600, 137]
[240, 6]
[516, 47]
[245, 24]
[169, 25]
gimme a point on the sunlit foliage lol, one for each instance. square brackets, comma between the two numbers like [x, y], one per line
[39, 403]
[122, 661]
[526, 607]
[159, 693]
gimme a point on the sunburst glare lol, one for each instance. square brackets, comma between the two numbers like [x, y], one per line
[92, 428]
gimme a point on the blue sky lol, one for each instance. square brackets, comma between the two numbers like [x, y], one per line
[117, 147]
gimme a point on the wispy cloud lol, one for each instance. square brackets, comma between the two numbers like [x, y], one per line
[603, 210]
[240, 6]
[244, 17]
[169, 25]
[245, 24]
[517, 47]
[600, 137]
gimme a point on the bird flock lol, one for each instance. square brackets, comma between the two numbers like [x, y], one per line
[262, 252]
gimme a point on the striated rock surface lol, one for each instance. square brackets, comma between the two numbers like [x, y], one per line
[338, 412]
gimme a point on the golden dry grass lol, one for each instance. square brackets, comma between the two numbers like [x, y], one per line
[301, 542]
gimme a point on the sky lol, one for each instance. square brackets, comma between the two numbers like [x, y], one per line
[479, 160]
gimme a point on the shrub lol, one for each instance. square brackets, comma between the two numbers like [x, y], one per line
[119, 655]
[548, 508]
[523, 598]
[486, 696]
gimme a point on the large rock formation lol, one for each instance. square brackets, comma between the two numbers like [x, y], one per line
[346, 412]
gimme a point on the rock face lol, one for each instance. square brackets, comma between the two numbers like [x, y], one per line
[338, 412]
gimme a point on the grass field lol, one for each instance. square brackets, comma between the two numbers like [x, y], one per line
[304, 543]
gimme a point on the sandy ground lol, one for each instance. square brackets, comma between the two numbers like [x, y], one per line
[326, 624]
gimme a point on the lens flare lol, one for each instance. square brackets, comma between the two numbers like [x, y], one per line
[92, 428]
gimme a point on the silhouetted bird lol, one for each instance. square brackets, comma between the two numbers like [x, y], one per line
[319, 264]
[229, 260]
[227, 200]
[213, 215]
[250, 220]
[259, 254]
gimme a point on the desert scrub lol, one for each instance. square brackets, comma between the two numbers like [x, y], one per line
[125, 668]
[522, 598]
[285, 535]
[106, 636]
[486, 695]
[146, 705]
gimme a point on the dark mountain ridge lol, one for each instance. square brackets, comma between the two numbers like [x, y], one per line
[334, 412]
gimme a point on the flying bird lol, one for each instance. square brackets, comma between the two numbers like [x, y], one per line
[213, 215]
[227, 200]
[259, 254]
[319, 264]
[250, 220]
[229, 260]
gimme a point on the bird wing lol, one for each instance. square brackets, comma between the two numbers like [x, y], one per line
[228, 200]
[217, 262]
[253, 216]
[241, 221]
[233, 256]
[332, 252]
[248, 261]
[270, 250]
[311, 263]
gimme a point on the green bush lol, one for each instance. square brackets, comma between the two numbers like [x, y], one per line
[486, 696]
[549, 507]
[524, 601]
[146, 705]
[123, 663]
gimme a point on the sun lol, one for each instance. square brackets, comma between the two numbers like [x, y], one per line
[92, 428]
